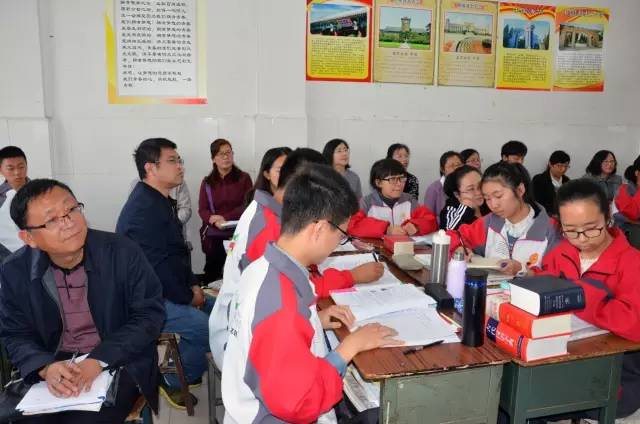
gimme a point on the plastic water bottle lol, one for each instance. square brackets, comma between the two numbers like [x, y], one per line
[455, 275]
[440, 257]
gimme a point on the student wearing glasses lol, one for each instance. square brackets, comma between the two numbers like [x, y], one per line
[388, 210]
[599, 258]
[222, 198]
[464, 198]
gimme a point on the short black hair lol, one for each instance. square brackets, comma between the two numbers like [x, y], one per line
[9, 152]
[559, 156]
[296, 160]
[149, 151]
[514, 147]
[630, 172]
[396, 146]
[30, 191]
[330, 147]
[511, 175]
[584, 189]
[384, 168]
[467, 153]
[595, 166]
[451, 184]
[270, 156]
[445, 157]
[318, 192]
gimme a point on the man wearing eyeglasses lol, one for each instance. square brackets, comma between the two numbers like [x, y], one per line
[72, 290]
[150, 219]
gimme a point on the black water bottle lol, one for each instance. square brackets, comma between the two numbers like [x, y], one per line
[475, 297]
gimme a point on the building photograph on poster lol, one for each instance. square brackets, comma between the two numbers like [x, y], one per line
[404, 28]
[523, 34]
[581, 37]
[338, 20]
[468, 33]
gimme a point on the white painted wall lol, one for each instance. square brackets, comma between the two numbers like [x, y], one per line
[53, 93]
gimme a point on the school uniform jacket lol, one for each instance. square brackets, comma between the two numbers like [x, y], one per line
[375, 216]
[455, 214]
[612, 298]
[277, 366]
[628, 201]
[258, 225]
[487, 236]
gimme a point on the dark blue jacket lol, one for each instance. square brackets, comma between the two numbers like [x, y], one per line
[125, 300]
[149, 219]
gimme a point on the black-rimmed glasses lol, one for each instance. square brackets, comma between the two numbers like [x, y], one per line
[590, 233]
[57, 222]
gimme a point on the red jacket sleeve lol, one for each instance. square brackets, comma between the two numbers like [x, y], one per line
[295, 385]
[473, 235]
[203, 204]
[330, 279]
[424, 220]
[360, 225]
[629, 206]
[258, 238]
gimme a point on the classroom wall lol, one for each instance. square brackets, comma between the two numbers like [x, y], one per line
[53, 102]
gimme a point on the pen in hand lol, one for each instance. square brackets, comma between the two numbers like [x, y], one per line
[375, 256]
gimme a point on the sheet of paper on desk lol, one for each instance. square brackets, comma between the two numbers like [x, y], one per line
[581, 329]
[39, 400]
[366, 304]
[352, 261]
[362, 394]
[417, 326]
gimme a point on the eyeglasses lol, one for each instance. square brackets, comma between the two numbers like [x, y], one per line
[226, 154]
[346, 238]
[57, 222]
[173, 161]
[341, 150]
[609, 161]
[562, 165]
[395, 180]
[473, 190]
[590, 233]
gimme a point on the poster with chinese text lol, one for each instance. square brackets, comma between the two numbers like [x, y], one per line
[579, 55]
[525, 53]
[467, 54]
[404, 38]
[339, 40]
[156, 51]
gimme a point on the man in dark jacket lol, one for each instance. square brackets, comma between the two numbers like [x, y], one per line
[74, 290]
[150, 219]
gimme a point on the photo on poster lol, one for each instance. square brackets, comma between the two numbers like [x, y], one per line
[578, 37]
[468, 33]
[339, 20]
[525, 34]
[405, 28]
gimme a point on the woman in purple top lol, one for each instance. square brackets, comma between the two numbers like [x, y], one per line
[434, 198]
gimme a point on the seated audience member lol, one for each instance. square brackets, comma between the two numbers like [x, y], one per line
[222, 198]
[471, 157]
[513, 152]
[336, 153]
[628, 199]
[464, 198]
[401, 153]
[603, 170]
[388, 210]
[516, 230]
[599, 258]
[13, 167]
[78, 290]
[259, 225]
[149, 218]
[277, 365]
[546, 184]
[434, 197]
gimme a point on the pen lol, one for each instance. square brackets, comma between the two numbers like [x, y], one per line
[375, 257]
[73, 358]
[419, 348]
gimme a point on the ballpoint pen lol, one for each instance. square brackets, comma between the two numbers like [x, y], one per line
[419, 348]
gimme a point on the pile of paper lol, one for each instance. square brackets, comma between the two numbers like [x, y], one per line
[347, 262]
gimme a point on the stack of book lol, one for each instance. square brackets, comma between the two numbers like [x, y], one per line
[536, 321]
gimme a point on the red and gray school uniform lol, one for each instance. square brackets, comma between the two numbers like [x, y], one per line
[278, 367]
[627, 201]
[375, 216]
[258, 225]
[487, 236]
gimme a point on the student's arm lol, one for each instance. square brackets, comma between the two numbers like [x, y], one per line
[424, 220]
[616, 309]
[473, 235]
[330, 279]
[203, 203]
[145, 310]
[361, 225]
[294, 385]
[244, 185]
[627, 205]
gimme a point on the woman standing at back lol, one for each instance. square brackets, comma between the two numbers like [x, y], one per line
[602, 169]
[336, 152]
[222, 198]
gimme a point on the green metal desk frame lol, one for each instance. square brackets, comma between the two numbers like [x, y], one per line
[571, 386]
[466, 396]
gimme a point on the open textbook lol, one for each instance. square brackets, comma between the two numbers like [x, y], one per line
[38, 400]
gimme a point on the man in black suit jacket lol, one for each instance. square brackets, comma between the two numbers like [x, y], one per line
[546, 184]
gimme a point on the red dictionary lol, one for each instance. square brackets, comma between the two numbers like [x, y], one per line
[523, 347]
[532, 326]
